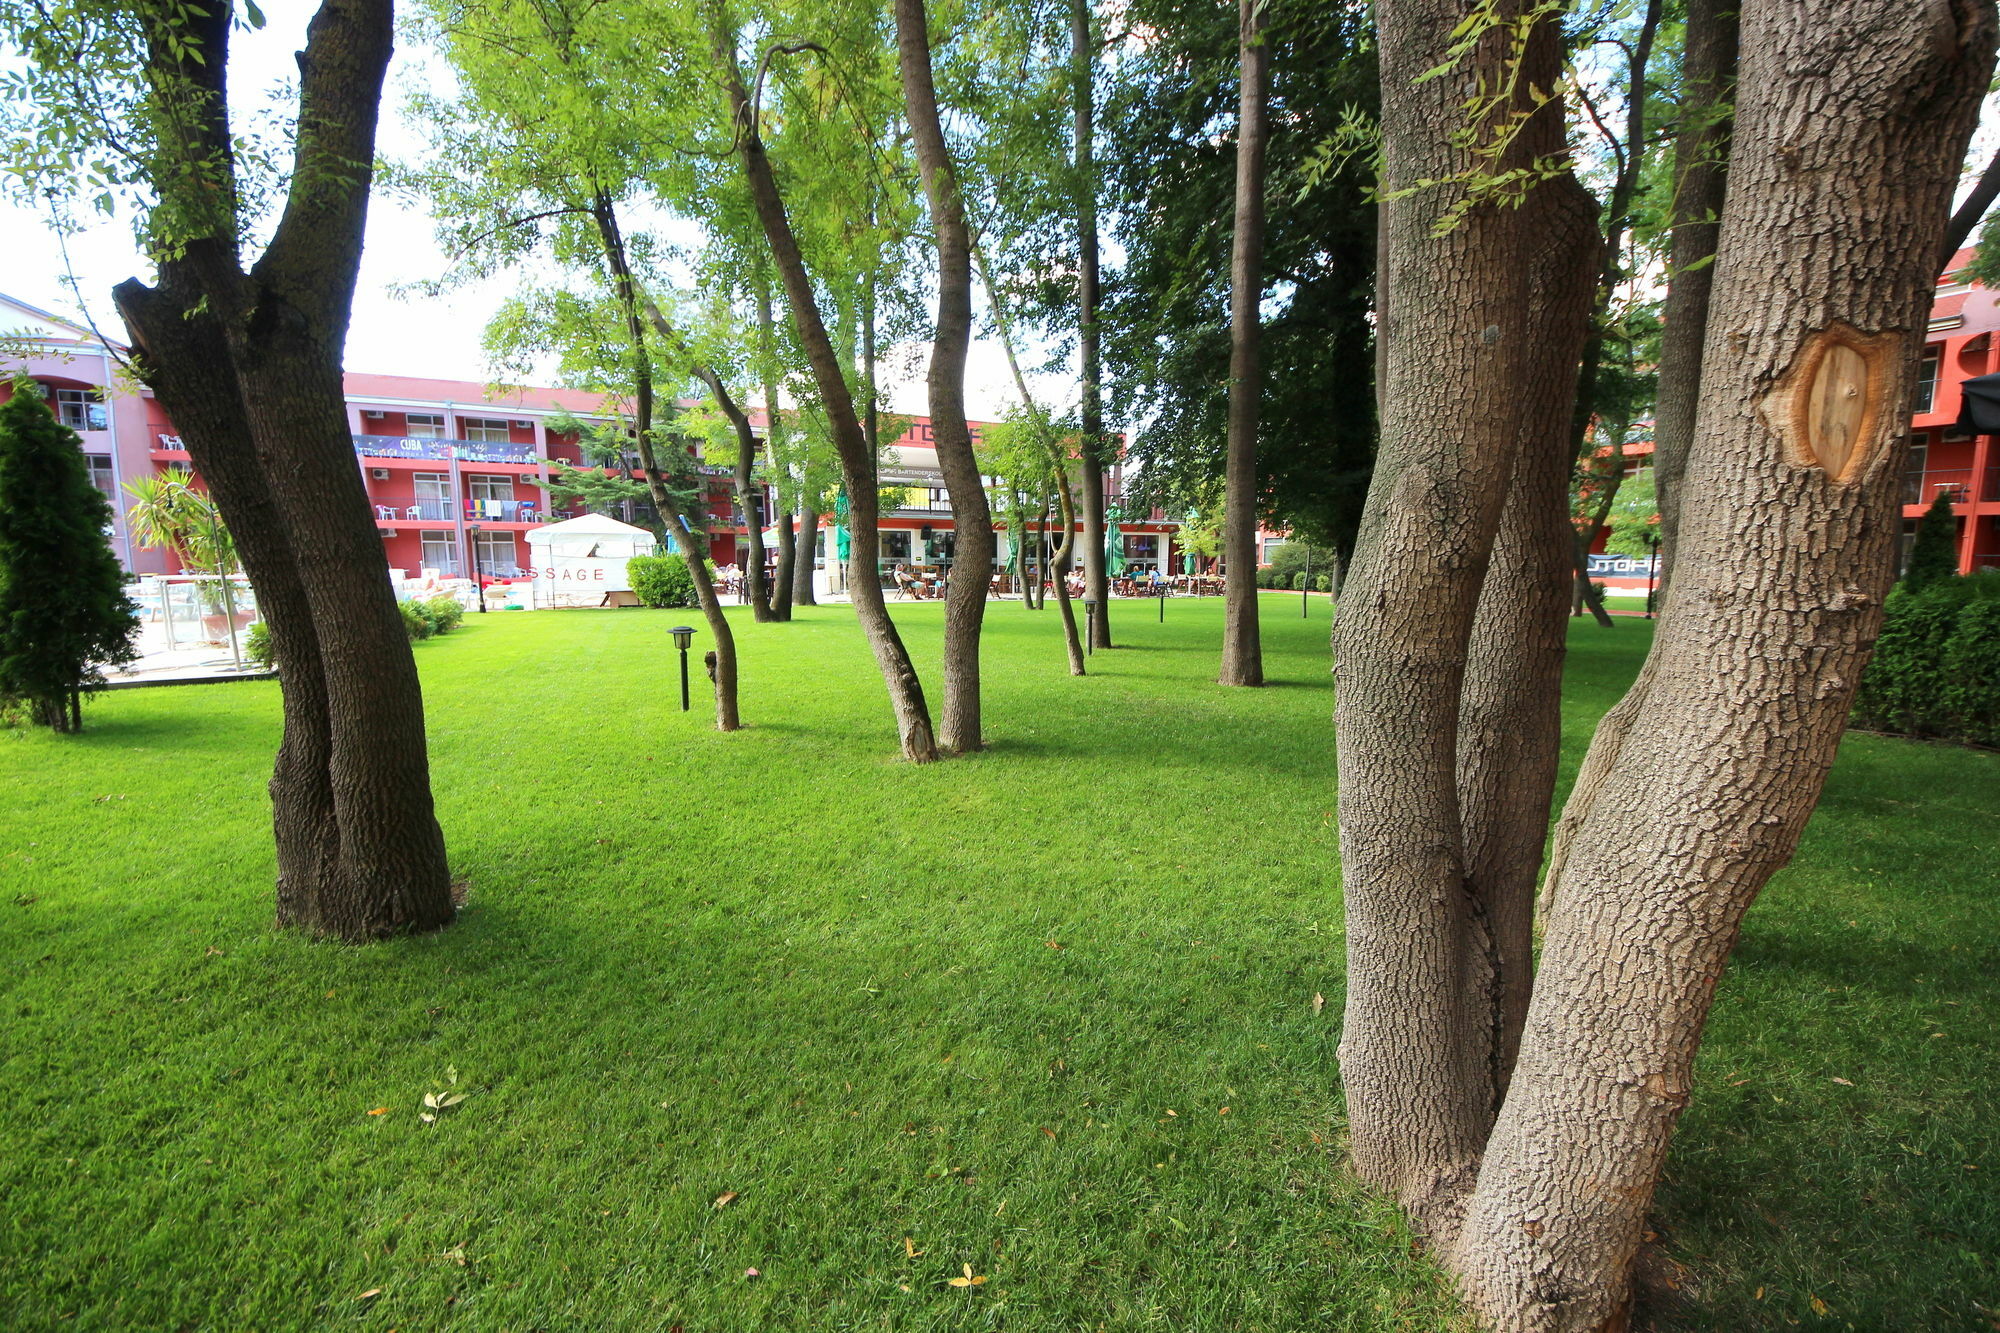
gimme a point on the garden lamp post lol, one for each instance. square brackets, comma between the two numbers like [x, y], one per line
[683, 636]
[1305, 592]
[1162, 586]
[1090, 625]
[472, 535]
[1652, 570]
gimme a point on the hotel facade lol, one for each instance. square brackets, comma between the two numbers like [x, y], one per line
[457, 474]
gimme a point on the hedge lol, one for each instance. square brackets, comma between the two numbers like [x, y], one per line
[1936, 669]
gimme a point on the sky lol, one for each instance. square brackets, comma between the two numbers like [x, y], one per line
[391, 333]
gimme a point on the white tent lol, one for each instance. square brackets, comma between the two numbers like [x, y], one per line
[579, 561]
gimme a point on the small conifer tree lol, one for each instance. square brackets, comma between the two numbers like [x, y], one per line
[64, 614]
[1934, 551]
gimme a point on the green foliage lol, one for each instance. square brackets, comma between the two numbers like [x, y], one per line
[64, 613]
[661, 580]
[1934, 550]
[1635, 516]
[1936, 668]
[437, 615]
[1292, 558]
[1171, 115]
[417, 623]
[257, 645]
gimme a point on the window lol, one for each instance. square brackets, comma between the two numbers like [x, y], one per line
[1927, 377]
[896, 544]
[423, 426]
[100, 474]
[440, 552]
[496, 553]
[1913, 470]
[432, 494]
[491, 488]
[486, 430]
[79, 409]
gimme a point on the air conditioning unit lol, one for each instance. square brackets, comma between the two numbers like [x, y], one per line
[373, 414]
[520, 425]
[379, 473]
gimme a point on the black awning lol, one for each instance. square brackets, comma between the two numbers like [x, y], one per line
[1979, 412]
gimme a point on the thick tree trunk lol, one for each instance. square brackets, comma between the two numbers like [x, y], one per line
[972, 518]
[806, 539]
[784, 576]
[1701, 177]
[857, 459]
[270, 346]
[1242, 649]
[1443, 476]
[1083, 93]
[178, 348]
[1854, 113]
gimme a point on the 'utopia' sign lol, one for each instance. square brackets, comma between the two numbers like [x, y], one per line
[1621, 566]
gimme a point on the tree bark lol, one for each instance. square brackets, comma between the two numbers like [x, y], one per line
[1083, 94]
[1416, 934]
[747, 495]
[1242, 650]
[857, 459]
[806, 540]
[1701, 178]
[1854, 113]
[972, 518]
[258, 368]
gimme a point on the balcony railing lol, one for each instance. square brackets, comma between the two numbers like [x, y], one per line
[1921, 488]
[466, 451]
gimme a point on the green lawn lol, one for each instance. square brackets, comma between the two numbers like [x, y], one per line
[987, 1012]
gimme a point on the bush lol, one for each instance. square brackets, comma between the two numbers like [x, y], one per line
[445, 613]
[257, 645]
[1299, 581]
[1323, 582]
[417, 620]
[1936, 669]
[661, 580]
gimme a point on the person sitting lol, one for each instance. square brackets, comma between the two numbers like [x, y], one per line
[907, 586]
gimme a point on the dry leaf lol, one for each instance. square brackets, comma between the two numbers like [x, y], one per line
[751, 1272]
[380, 1110]
[968, 1280]
[1172, 1111]
[369, 1294]
[1050, 1132]
[1223, 1111]
[1319, 1002]
[1843, 1083]
[1818, 1305]
[910, 1247]
[724, 1199]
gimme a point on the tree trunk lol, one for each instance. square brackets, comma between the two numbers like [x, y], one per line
[1446, 465]
[270, 346]
[1242, 649]
[972, 518]
[1083, 94]
[748, 493]
[784, 576]
[1072, 645]
[1854, 113]
[806, 539]
[857, 460]
[1580, 541]
[1701, 177]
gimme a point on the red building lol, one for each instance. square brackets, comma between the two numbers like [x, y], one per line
[1962, 343]
[456, 474]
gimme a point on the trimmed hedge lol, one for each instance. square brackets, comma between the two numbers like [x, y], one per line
[1936, 669]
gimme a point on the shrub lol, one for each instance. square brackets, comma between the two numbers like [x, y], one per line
[1323, 582]
[661, 580]
[1936, 669]
[416, 620]
[445, 613]
[1934, 551]
[1299, 581]
[257, 645]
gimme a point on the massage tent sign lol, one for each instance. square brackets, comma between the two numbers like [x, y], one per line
[580, 560]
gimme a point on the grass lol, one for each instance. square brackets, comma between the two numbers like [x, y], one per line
[988, 1012]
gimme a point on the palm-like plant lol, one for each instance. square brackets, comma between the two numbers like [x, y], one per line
[168, 511]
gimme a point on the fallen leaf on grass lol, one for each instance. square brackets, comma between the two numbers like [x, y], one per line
[751, 1272]
[1050, 1132]
[380, 1110]
[910, 1248]
[1843, 1083]
[968, 1280]
[724, 1199]
[1818, 1306]
[369, 1294]
[1319, 1002]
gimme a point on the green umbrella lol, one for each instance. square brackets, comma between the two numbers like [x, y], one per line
[1114, 542]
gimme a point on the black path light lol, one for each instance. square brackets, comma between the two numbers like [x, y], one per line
[1305, 590]
[1163, 597]
[1089, 625]
[683, 636]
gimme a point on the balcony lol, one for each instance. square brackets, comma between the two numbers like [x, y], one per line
[1921, 488]
[421, 511]
[431, 450]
